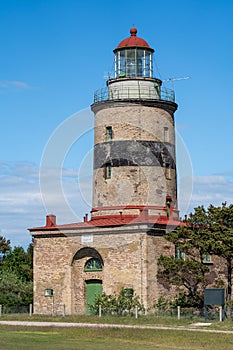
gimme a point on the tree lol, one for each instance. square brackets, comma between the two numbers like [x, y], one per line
[14, 291]
[212, 231]
[206, 231]
[221, 228]
[189, 274]
[16, 287]
[19, 262]
[4, 247]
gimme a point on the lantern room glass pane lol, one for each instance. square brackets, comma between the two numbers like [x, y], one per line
[133, 62]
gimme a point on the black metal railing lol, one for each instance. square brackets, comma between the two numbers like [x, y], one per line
[133, 92]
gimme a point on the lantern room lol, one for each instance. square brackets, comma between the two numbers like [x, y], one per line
[133, 57]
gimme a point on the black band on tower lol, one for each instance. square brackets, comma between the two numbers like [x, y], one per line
[134, 153]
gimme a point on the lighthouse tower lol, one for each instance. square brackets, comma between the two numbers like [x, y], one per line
[134, 151]
[134, 196]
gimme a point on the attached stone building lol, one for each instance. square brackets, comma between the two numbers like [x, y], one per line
[134, 195]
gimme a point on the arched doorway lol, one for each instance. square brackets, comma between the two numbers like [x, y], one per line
[93, 289]
[87, 276]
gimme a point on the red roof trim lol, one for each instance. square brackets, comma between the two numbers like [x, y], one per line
[114, 220]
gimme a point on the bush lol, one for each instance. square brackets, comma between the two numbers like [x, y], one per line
[186, 300]
[123, 304]
[162, 304]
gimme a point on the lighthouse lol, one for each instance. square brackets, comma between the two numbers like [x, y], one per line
[134, 146]
[134, 203]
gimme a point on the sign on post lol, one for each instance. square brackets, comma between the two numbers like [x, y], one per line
[215, 296]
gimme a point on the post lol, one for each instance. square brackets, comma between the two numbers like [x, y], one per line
[136, 312]
[178, 312]
[100, 311]
[0, 310]
[220, 313]
[52, 305]
[63, 310]
[30, 310]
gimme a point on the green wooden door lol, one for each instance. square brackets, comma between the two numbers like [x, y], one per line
[93, 288]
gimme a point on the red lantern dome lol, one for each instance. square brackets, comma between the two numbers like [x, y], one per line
[133, 41]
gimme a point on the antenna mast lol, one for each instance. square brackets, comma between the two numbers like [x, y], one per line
[174, 79]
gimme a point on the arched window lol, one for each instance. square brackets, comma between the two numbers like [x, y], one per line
[93, 264]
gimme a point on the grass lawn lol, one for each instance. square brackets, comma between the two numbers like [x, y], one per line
[33, 338]
[142, 320]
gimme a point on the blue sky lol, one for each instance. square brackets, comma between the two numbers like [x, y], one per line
[56, 53]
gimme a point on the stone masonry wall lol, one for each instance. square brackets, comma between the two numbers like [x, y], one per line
[124, 260]
[134, 122]
[138, 186]
[135, 185]
[129, 261]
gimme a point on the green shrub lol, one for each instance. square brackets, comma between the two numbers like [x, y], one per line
[123, 304]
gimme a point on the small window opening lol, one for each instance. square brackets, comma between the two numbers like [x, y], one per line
[109, 133]
[179, 254]
[168, 171]
[169, 206]
[108, 171]
[206, 258]
[166, 134]
[128, 292]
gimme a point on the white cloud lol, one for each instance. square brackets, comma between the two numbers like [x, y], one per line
[6, 84]
[22, 206]
[214, 189]
[21, 201]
